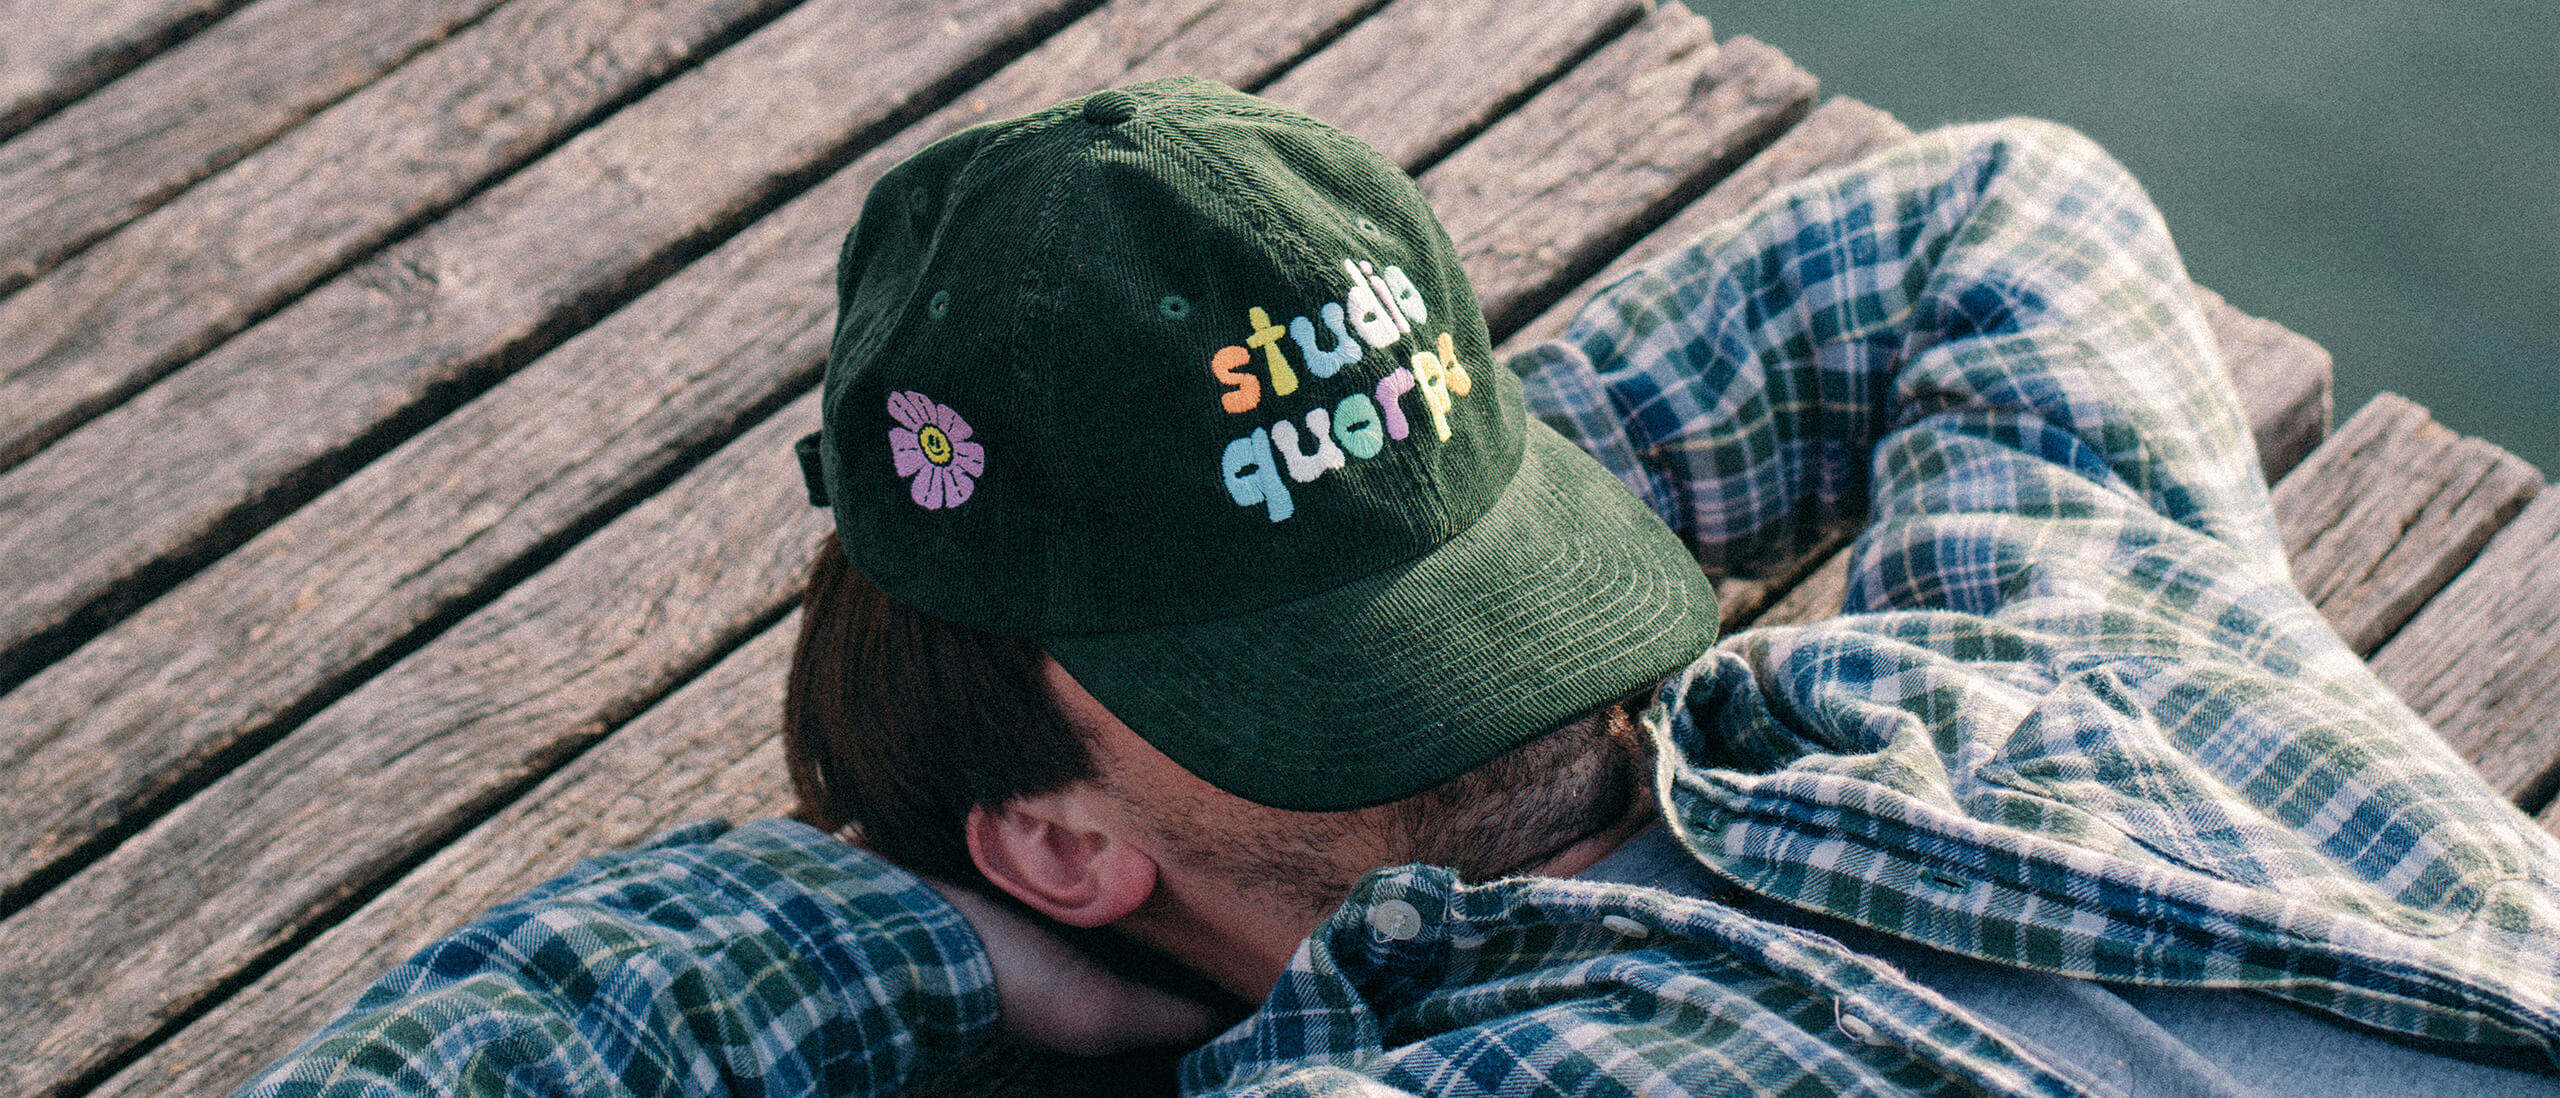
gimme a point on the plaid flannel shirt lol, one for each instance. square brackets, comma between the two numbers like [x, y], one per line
[2076, 719]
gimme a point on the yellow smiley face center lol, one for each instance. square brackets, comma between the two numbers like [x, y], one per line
[935, 444]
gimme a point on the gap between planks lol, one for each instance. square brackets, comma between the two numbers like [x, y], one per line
[192, 111]
[59, 52]
[120, 509]
[250, 238]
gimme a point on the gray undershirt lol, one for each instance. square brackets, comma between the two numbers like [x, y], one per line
[2139, 1042]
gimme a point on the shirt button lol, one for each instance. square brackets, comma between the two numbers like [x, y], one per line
[1625, 927]
[1856, 1028]
[1395, 920]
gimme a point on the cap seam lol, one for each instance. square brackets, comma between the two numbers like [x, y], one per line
[1047, 520]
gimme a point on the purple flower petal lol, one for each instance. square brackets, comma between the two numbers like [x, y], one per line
[910, 409]
[950, 422]
[905, 452]
[926, 489]
[959, 487]
[969, 457]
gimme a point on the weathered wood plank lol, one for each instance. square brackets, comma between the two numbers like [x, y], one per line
[1641, 128]
[123, 949]
[712, 748]
[197, 462]
[144, 707]
[187, 113]
[1816, 596]
[368, 781]
[241, 243]
[1839, 132]
[57, 52]
[2283, 380]
[1370, 73]
[268, 632]
[2378, 518]
[2482, 661]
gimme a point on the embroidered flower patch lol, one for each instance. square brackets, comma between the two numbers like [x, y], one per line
[931, 447]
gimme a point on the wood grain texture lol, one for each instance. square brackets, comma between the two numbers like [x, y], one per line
[241, 243]
[1382, 69]
[269, 629]
[1641, 128]
[711, 749]
[1839, 132]
[2283, 379]
[480, 708]
[2482, 661]
[55, 52]
[379, 779]
[2385, 512]
[195, 463]
[192, 110]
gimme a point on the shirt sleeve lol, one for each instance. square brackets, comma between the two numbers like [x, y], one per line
[767, 959]
[2074, 715]
[1990, 319]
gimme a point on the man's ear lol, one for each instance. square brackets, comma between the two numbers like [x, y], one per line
[1051, 852]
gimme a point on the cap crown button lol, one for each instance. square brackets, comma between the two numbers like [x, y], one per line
[1110, 108]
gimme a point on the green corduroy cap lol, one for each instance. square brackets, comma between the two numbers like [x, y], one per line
[1191, 389]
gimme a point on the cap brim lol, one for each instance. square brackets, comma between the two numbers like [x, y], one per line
[1566, 595]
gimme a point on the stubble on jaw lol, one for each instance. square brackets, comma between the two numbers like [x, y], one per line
[1500, 818]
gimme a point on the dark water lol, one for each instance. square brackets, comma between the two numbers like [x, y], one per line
[2383, 177]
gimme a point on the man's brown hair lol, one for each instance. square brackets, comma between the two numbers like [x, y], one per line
[897, 723]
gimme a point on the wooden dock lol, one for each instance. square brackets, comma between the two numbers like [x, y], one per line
[396, 498]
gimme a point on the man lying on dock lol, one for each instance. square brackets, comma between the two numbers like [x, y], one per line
[1201, 577]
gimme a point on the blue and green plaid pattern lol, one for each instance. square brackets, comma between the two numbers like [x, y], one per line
[2076, 719]
[768, 959]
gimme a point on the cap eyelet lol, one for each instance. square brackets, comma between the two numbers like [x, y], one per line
[1174, 307]
[1366, 227]
[940, 305]
[919, 198]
